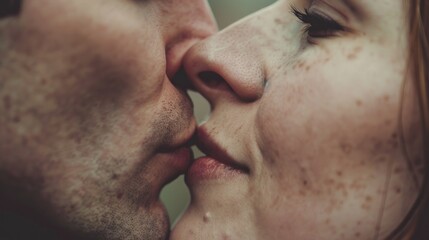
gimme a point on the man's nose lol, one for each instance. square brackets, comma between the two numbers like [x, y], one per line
[227, 66]
[185, 22]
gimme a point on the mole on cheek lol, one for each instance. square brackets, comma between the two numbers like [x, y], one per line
[397, 189]
[326, 60]
[345, 148]
[386, 98]
[279, 21]
[299, 65]
[366, 205]
[352, 55]
[358, 103]
[191, 232]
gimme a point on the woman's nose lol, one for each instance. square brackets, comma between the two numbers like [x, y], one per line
[184, 23]
[222, 66]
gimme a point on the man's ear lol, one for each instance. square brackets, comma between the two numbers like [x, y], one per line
[10, 8]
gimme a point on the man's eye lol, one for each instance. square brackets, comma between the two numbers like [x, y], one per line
[318, 26]
[9, 8]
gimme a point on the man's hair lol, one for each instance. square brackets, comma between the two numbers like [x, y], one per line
[9, 8]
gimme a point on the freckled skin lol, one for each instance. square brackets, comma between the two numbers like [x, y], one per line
[321, 141]
[88, 112]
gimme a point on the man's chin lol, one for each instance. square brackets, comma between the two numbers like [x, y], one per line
[150, 222]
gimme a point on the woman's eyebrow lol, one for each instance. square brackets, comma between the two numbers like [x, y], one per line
[358, 8]
[352, 5]
[343, 6]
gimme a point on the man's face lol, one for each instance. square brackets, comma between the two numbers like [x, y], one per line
[91, 126]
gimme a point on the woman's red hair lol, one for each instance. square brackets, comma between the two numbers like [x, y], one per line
[419, 66]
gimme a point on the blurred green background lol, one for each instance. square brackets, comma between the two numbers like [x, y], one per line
[176, 195]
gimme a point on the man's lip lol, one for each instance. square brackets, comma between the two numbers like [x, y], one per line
[186, 141]
[179, 162]
[166, 166]
[179, 155]
[212, 149]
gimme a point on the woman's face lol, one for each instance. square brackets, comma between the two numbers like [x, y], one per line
[308, 116]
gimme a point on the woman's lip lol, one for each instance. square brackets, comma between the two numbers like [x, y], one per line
[213, 150]
[207, 168]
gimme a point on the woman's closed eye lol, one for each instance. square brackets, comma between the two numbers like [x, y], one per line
[318, 25]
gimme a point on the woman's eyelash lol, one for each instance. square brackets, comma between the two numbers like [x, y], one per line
[318, 26]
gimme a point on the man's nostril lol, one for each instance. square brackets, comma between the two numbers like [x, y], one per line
[211, 79]
[181, 80]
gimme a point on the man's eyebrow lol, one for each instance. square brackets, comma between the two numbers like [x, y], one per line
[10, 7]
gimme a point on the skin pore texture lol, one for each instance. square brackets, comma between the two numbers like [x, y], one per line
[91, 126]
[327, 127]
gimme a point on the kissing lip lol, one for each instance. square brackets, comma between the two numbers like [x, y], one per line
[176, 157]
[212, 149]
[183, 139]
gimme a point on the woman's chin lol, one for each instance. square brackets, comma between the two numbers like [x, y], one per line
[218, 210]
[209, 193]
[199, 224]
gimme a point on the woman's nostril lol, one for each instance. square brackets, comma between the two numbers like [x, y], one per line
[246, 92]
[211, 79]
